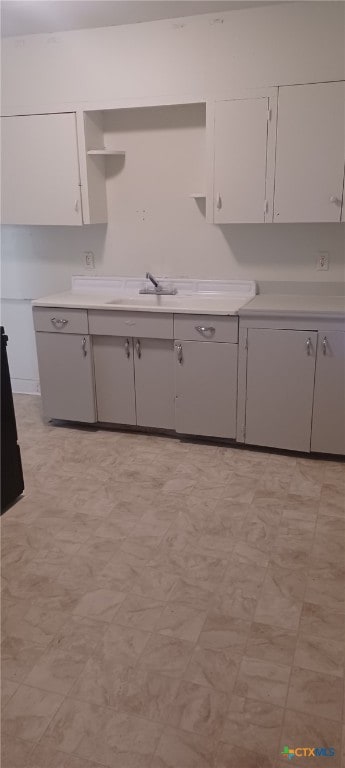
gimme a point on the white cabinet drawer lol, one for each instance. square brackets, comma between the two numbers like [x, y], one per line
[60, 320]
[149, 325]
[206, 328]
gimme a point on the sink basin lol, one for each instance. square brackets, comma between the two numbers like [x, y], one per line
[145, 300]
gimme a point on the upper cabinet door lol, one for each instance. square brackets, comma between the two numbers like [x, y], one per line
[240, 155]
[40, 170]
[310, 153]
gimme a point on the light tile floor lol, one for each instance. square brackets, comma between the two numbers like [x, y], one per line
[170, 604]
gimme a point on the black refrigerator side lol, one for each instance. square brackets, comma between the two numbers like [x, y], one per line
[12, 481]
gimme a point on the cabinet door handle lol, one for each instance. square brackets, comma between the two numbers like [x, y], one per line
[83, 346]
[179, 353]
[138, 348]
[76, 206]
[219, 201]
[308, 345]
[58, 322]
[324, 345]
[335, 200]
[127, 348]
[205, 329]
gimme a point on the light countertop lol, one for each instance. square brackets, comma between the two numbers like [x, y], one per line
[212, 305]
[281, 304]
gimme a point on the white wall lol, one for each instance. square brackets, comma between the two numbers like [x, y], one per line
[152, 221]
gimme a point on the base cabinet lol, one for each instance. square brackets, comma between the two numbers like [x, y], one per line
[328, 427]
[154, 383]
[114, 379]
[206, 388]
[280, 385]
[66, 376]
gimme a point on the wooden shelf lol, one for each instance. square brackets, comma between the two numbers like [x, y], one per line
[197, 195]
[105, 152]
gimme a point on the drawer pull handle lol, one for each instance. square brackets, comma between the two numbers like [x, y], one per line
[83, 346]
[308, 345]
[127, 348]
[179, 353]
[205, 329]
[59, 323]
[138, 348]
[324, 346]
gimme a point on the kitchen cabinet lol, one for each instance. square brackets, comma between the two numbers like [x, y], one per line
[280, 385]
[66, 376]
[206, 388]
[40, 170]
[309, 172]
[328, 426]
[114, 379]
[154, 382]
[239, 164]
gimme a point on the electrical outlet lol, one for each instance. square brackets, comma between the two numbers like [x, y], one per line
[89, 260]
[322, 261]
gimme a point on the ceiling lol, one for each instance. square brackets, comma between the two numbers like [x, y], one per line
[28, 17]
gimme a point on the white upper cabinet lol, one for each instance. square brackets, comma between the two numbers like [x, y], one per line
[40, 170]
[239, 162]
[310, 153]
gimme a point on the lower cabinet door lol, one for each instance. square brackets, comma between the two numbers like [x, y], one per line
[66, 376]
[328, 428]
[114, 377]
[154, 382]
[280, 386]
[206, 388]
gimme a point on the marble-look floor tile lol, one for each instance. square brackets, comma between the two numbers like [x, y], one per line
[280, 602]
[271, 643]
[99, 734]
[300, 729]
[154, 583]
[318, 620]
[183, 621]
[146, 694]
[18, 658]
[14, 752]
[240, 560]
[167, 655]
[239, 757]
[222, 630]
[179, 749]
[325, 586]
[139, 612]
[45, 757]
[107, 670]
[315, 693]
[100, 604]
[29, 712]
[214, 668]
[8, 688]
[187, 592]
[332, 500]
[320, 654]
[199, 709]
[253, 725]
[262, 680]
[61, 664]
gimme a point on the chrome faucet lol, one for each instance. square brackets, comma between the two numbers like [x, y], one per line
[157, 288]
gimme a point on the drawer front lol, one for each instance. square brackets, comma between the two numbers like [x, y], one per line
[59, 320]
[149, 325]
[206, 328]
